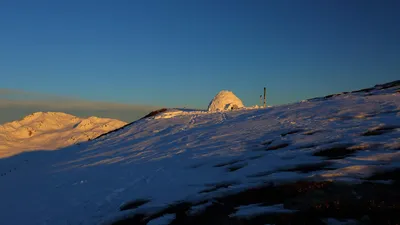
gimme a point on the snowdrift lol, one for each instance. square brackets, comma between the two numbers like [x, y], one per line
[225, 100]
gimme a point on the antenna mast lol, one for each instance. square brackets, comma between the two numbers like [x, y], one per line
[265, 93]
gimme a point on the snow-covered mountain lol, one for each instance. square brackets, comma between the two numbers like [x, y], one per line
[313, 162]
[51, 130]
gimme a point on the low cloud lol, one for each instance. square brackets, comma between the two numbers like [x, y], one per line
[16, 104]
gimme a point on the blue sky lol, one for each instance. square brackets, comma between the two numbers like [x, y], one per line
[181, 53]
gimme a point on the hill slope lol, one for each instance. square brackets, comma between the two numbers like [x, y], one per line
[51, 130]
[311, 162]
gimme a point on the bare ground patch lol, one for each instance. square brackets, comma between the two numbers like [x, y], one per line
[380, 130]
[310, 202]
[336, 152]
[310, 167]
[292, 132]
[228, 163]
[133, 204]
[277, 146]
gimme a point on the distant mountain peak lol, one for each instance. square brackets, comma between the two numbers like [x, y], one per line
[51, 130]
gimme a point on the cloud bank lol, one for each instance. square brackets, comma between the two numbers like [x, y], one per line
[16, 104]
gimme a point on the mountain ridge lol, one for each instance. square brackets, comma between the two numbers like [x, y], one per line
[51, 130]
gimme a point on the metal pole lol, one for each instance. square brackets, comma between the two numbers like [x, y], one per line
[265, 93]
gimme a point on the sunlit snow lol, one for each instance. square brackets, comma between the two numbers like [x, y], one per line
[193, 156]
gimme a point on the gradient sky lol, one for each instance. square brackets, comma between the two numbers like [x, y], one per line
[181, 53]
[15, 104]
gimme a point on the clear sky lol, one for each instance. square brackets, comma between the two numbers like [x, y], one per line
[181, 53]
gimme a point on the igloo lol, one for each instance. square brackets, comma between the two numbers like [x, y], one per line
[225, 100]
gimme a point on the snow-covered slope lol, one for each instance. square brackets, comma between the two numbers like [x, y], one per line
[51, 130]
[223, 166]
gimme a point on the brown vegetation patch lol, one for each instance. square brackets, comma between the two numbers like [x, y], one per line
[366, 90]
[267, 142]
[311, 201]
[156, 112]
[291, 132]
[261, 174]
[133, 204]
[380, 130]
[336, 152]
[255, 157]
[307, 146]
[236, 167]
[277, 146]
[310, 167]
[228, 163]
[393, 174]
[218, 186]
[311, 132]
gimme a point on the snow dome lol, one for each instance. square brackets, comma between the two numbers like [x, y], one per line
[225, 100]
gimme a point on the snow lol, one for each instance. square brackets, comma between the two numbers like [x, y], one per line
[256, 209]
[51, 130]
[199, 208]
[197, 155]
[392, 156]
[225, 100]
[359, 171]
[333, 221]
[164, 220]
